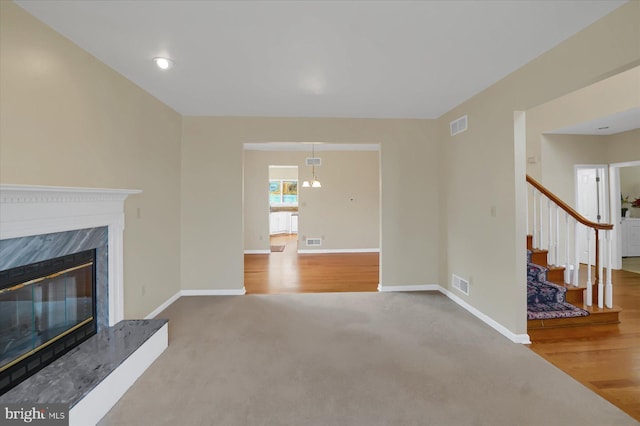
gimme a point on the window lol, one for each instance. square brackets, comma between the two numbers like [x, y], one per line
[283, 192]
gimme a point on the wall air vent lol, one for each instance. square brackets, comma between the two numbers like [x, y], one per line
[459, 125]
[314, 242]
[314, 161]
[460, 284]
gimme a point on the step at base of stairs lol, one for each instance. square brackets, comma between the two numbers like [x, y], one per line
[596, 316]
[539, 257]
[577, 295]
[555, 274]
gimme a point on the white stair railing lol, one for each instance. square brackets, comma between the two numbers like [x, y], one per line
[550, 233]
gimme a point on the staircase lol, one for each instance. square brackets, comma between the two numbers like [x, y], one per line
[557, 297]
[563, 303]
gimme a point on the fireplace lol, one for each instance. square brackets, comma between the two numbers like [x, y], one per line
[41, 223]
[46, 309]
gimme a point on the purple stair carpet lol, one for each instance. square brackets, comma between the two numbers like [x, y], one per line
[546, 300]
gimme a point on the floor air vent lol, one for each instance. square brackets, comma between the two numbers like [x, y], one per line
[316, 242]
[459, 125]
[460, 284]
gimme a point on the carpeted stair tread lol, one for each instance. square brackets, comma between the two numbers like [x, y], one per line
[545, 299]
[545, 292]
[554, 310]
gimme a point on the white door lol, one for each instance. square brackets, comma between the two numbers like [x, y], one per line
[591, 202]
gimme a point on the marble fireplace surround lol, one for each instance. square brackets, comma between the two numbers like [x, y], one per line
[36, 210]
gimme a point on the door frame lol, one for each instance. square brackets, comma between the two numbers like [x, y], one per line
[605, 211]
[616, 217]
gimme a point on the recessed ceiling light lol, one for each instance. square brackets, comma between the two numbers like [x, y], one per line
[163, 63]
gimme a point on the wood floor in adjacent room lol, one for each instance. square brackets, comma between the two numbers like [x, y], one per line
[290, 272]
[605, 358]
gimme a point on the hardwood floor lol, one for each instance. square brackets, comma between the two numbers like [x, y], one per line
[290, 272]
[605, 358]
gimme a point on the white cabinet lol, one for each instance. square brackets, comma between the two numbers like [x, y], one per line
[630, 237]
[294, 223]
[280, 223]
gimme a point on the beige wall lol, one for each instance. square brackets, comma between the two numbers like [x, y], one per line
[625, 146]
[344, 212]
[212, 149]
[484, 170]
[67, 119]
[289, 173]
[617, 93]
[561, 153]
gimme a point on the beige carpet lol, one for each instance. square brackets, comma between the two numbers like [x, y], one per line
[631, 264]
[348, 359]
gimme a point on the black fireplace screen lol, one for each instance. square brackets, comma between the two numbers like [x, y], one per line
[46, 309]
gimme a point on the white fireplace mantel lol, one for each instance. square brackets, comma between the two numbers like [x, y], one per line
[27, 210]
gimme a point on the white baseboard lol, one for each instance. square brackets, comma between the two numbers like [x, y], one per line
[257, 251]
[328, 251]
[164, 306]
[516, 338]
[424, 287]
[215, 292]
[169, 301]
[90, 409]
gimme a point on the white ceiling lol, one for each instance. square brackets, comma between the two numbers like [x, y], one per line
[616, 123]
[386, 59]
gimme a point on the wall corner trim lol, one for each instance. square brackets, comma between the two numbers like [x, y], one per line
[163, 306]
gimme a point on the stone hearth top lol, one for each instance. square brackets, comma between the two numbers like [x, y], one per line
[71, 377]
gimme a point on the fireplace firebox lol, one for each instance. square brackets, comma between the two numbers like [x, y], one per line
[46, 309]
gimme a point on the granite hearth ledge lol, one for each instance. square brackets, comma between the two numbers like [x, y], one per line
[93, 376]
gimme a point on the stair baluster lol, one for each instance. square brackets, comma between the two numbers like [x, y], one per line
[576, 254]
[609, 286]
[535, 240]
[600, 270]
[547, 230]
[556, 243]
[567, 269]
[589, 301]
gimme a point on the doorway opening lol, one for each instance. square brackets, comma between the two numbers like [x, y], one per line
[311, 238]
[283, 207]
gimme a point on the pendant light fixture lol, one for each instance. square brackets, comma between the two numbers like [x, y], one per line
[315, 183]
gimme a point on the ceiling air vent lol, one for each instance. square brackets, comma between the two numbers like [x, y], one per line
[314, 161]
[460, 284]
[459, 125]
